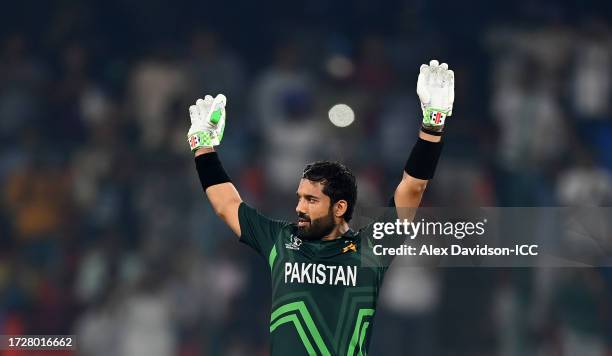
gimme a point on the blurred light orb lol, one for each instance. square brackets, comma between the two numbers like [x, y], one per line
[341, 115]
[339, 67]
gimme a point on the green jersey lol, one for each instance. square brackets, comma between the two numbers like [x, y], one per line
[323, 299]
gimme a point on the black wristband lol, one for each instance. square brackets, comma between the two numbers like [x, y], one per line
[423, 159]
[210, 170]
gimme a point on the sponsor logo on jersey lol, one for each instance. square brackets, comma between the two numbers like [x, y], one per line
[315, 273]
[294, 243]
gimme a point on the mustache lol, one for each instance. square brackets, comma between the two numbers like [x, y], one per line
[303, 216]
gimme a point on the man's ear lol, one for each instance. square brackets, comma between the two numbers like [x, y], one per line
[340, 208]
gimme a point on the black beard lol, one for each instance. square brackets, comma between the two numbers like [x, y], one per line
[318, 228]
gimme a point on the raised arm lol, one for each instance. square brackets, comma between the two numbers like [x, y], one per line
[436, 91]
[207, 125]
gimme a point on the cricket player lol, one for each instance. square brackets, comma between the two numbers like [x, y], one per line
[323, 296]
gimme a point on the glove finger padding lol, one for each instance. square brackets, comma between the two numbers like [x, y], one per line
[217, 117]
[451, 90]
[193, 114]
[203, 108]
[217, 109]
[422, 91]
[221, 127]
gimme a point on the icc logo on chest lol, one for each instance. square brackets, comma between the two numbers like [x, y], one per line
[294, 243]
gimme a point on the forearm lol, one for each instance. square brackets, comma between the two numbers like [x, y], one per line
[409, 191]
[225, 200]
[221, 192]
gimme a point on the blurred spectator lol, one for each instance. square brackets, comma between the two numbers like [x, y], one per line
[146, 320]
[23, 81]
[584, 184]
[212, 69]
[592, 77]
[579, 309]
[373, 71]
[293, 135]
[98, 330]
[284, 88]
[408, 305]
[37, 198]
[529, 117]
[71, 97]
[156, 82]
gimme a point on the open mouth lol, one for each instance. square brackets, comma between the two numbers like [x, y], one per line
[302, 222]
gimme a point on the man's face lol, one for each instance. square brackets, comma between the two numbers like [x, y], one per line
[314, 210]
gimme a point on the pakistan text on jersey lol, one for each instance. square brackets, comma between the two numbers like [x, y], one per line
[314, 273]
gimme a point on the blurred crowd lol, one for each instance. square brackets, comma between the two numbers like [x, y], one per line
[106, 233]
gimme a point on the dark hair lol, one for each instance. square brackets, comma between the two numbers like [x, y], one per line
[338, 183]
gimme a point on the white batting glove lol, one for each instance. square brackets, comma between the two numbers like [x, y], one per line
[436, 90]
[207, 122]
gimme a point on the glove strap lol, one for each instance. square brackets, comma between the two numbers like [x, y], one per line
[433, 120]
[200, 139]
[431, 132]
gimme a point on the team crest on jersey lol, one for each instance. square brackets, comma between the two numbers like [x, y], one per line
[294, 243]
[350, 247]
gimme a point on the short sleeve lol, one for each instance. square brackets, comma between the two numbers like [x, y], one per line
[257, 230]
